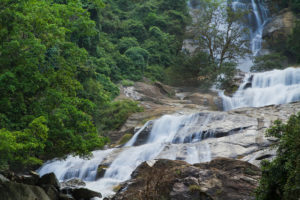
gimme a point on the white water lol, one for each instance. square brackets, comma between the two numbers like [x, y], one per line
[257, 18]
[267, 88]
[169, 129]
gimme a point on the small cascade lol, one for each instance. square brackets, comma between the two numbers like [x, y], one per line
[257, 19]
[168, 130]
[267, 88]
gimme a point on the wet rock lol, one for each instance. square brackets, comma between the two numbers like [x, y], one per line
[75, 182]
[31, 179]
[51, 191]
[144, 134]
[165, 89]
[65, 197]
[18, 191]
[49, 179]
[247, 85]
[101, 171]
[84, 193]
[3, 179]
[211, 100]
[221, 179]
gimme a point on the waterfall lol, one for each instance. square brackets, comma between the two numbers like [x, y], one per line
[266, 88]
[168, 130]
[257, 18]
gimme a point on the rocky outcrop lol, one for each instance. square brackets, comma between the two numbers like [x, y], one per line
[158, 100]
[47, 187]
[209, 100]
[74, 182]
[101, 171]
[12, 191]
[220, 179]
[276, 32]
[84, 194]
[49, 179]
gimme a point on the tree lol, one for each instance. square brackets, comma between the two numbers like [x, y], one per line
[217, 30]
[281, 177]
[139, 58]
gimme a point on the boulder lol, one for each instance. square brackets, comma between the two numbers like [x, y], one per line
[101, 171]
[65, 197]
[28, 179]
[84, 193]
[19, 191]
[220, 179]
[51, 191]
[49, 179]
[143, 135]
[165, 89]
[205, 99]
[75, 182]
[3, 179]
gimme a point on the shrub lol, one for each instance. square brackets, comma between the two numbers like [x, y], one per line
[269, 62]
[281, 177]
[127, 83]
[114, 115]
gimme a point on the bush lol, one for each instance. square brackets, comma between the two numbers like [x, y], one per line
[127, 83]
[116, 113]
[155, 73]
[195, 70]
[269, 62]
[281, 177]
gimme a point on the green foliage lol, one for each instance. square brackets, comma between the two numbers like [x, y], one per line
[225, 78]
[20, 148]
[150, 25]
[116, 114]
[127, 83]
[223, 45]
[139, 58]
[195, 70]
[268, 62]
[59, 63]
[49, 92]
[125, 138]
[126, 43]
[155, 73]
[281, 177]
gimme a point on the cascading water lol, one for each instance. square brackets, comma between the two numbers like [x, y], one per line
[169, 129]
[267, 88]
[257, 18]
[275, 87]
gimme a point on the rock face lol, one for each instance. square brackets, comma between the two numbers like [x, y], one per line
[276, 32]
[85, 194]
[158, 100]
[49, 179]
[18, 191]
[47, 187]
[220, 179]
[75, 182]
